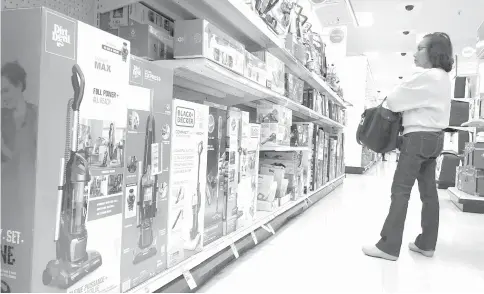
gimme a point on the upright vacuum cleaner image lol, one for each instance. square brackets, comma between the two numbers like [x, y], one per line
[195, 236]
[147, 198]
[73, 262]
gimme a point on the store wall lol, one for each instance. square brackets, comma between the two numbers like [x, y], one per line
[353, 75]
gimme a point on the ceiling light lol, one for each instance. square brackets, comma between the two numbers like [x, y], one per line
[468, 52]
[365, 19]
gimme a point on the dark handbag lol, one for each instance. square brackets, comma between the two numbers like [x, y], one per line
[379, 129]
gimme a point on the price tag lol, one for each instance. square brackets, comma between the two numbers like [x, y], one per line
[190, 280]
[309, 200]
[254, 237]
[306, 202]
[266, 228]
[234, 250]
[271, 229]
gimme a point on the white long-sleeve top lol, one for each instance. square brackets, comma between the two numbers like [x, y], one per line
[424, 99]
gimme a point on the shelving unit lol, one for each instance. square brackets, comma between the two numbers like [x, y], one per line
[466, 202]
[264, 222]
[199, 79]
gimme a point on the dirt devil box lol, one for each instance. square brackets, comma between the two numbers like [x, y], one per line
[188, 170]
[146, 172]
[63, 169]
[214, 205]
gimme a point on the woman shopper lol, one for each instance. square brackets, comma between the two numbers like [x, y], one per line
[425, 101]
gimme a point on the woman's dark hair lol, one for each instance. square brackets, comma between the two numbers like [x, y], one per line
[440, 51]
[15, 73]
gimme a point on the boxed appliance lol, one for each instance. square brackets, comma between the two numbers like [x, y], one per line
[276, 122]
[266, 187]
[145, 15]
[294, 87]
[111, 21]
[301, 134]
[247, 197]
[296, 48]
[275, 71]
[232, 161]
[146, 173]
[255, 69]
[278, 173]
[313, 175]
[293, 170]
[148, 41]
[188, 170]
[62, 174]
[214, 205]
[473, 181]
[199, 38]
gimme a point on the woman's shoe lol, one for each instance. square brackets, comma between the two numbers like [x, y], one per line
[425, 253]
[373, 251]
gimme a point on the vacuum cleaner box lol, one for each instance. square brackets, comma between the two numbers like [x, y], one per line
[214, 206]
[247, 199]
[62, 174]
[199, 38]
[147, 157]
[148, 41]
[187, 180]
[232, 159]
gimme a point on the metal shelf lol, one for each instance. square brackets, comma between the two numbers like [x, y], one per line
[155, 283]
[238, 20]
[230, 88]
[283, 148]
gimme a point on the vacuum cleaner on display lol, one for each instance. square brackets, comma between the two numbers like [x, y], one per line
[147, 198]
[73, 262]
[195, 235]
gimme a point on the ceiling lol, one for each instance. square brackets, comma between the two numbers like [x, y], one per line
[384, 41]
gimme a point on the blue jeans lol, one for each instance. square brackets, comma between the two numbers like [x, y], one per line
[418, 152]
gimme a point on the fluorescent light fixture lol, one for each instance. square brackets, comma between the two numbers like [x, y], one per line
[352, 13]
[365, 19]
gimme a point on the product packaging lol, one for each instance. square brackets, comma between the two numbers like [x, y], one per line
[187, 180]
[301, 134]
[275, 71]
[231, 189]
[296, 48]
[148, 41]
[292, 162]
[255, 69]
[146, 173]
[247, 190]
[214, 205]
[199, 38]
[278, 173]
[276, 122]
[62, 173]
[314, 174]
[134, 13]
[294, 88]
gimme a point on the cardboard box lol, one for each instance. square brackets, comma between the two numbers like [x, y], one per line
[50, 228]
[187, 180]
[199, 38]
[146, 173]
[266, 187]
[294, 88]
[255, 69]
[277, 172]
[275, 71]
[232, 159]
[247, 195]
[293, 170]
[214, 206]
[148, 41]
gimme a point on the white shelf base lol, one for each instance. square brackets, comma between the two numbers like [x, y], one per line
[263, 217]
[283, 148]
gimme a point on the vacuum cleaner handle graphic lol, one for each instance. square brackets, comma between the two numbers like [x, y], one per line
[78, 84]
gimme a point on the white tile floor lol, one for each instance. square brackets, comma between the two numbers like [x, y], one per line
[321, 250]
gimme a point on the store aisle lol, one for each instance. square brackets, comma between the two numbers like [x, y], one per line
[321, 250]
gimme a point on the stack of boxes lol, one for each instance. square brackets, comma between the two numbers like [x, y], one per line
[150, 33]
